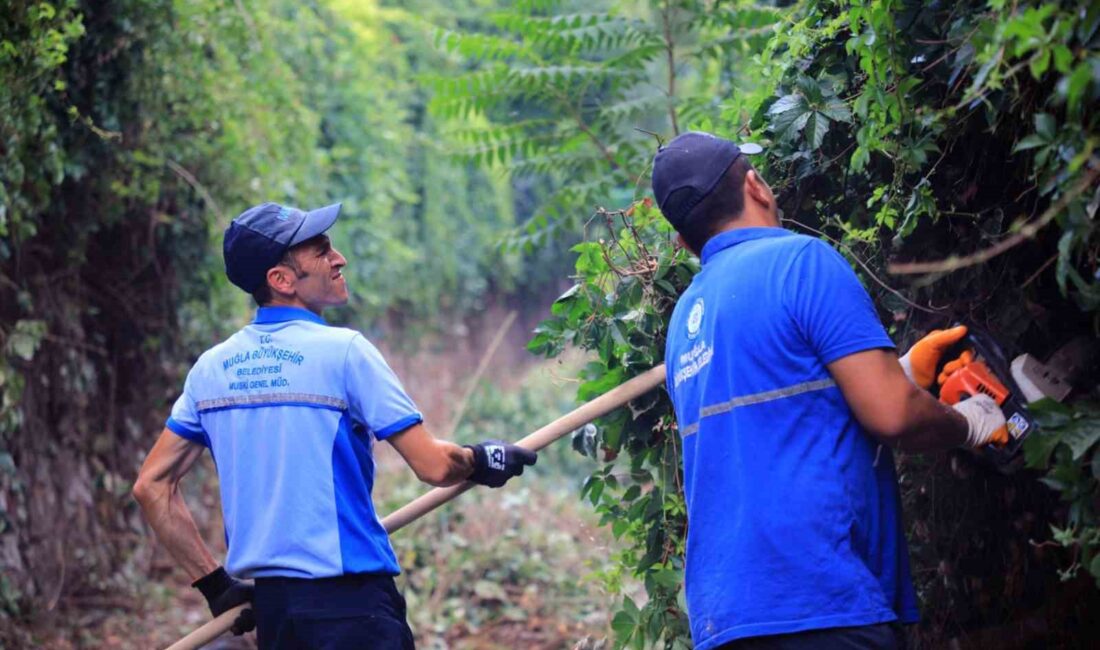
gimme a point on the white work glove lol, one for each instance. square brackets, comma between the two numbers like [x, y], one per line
[984, 419]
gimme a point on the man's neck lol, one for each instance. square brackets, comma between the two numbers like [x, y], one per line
[750, 219]
[294, 301]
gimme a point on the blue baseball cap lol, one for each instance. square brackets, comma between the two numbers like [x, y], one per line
[259, 238]
[688, 168]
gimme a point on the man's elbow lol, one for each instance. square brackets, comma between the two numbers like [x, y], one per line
[892, 421]
[146, 490]
[141, 491]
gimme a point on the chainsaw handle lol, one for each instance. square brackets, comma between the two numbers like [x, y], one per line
[952, 353]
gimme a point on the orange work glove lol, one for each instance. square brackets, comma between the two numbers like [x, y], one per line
[920, 362]
[951, 366]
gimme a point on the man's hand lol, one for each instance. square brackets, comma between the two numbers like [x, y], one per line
[920, 362]
[985, 420]
[223, 592]
[495, 462]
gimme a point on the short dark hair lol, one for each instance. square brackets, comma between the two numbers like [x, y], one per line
[262, 294]
[725, 203]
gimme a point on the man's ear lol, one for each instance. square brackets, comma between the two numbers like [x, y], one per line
[281, 280]
[758, 190]
[682, 243]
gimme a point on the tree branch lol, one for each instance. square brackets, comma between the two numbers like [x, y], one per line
[1027, 231]
[867, 269]
[670, 50]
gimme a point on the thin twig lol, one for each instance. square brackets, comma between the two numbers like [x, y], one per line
[670, 49]
[471, 386]
[1027, 231]
[1042, 268]
[638, 181]
[867, 269]
[190, 179]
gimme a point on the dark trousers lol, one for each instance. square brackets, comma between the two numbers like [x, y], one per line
[346, 612]
[884, 636]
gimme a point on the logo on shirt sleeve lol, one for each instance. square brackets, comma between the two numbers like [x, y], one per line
[695, 318]
[495, 456]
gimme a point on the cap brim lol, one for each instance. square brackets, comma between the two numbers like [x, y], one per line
[316, 222]
[750, 148]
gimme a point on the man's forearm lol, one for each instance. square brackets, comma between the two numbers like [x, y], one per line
[459, 464]
[175, 528]
[931, 424]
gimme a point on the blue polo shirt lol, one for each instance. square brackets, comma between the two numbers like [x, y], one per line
[794, 519]
[289, 408]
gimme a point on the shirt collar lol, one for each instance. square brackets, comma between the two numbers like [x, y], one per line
[731, 238]
[266, 315]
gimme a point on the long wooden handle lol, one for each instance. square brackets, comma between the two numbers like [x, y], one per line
[211, 630]
[434, 498]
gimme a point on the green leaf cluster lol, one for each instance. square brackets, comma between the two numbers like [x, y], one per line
[618, 310]
[1065, 449]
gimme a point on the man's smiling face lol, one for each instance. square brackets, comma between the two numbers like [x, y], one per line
[320, 282]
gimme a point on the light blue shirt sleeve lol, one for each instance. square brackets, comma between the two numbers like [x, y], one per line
[376, 398]
[184, 420]
[830, 306]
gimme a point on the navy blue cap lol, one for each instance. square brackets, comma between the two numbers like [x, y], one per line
[259, 238]
[688, 168]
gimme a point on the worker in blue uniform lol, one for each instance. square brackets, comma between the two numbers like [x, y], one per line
[290, 408]
[789, 397]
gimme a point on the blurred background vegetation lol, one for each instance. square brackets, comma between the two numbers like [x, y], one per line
[491, 156]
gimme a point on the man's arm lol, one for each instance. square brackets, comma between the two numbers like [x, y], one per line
[892, 408]
[157, 489]
[441, 463]
[436, 462]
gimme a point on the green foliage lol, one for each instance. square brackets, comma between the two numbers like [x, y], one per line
[619, 310]
[131, 131]
[1065, 447]
[565, 88]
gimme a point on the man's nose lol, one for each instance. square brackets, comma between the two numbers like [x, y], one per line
[338, 258]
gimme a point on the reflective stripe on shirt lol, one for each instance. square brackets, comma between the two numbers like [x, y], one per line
[271, 399]
[757, 398]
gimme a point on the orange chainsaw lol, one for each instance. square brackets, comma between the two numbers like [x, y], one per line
[978, 365]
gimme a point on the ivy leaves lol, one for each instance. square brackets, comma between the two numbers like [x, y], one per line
[626, 286]
[808, 112]
[1061, 447]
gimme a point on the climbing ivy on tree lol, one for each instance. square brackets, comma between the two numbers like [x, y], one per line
[619, 311]
[131, 132]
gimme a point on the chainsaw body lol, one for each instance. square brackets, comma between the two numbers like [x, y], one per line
[989, 373]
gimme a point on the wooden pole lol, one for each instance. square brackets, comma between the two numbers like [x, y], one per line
[432, 499]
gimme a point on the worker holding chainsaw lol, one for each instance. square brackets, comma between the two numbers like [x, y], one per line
[289, 408]
[789, 397]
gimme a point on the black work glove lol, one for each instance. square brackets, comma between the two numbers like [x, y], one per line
[495, 462]
[223, 592]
